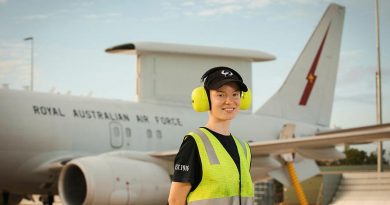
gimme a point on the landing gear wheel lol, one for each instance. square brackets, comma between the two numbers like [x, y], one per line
[7, 198]
[47, 200]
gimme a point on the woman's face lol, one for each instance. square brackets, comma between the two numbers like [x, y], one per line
[225, 102]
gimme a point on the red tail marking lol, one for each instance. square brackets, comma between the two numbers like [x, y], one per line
[311, 77]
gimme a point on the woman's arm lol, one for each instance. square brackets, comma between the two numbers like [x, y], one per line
[178, 193]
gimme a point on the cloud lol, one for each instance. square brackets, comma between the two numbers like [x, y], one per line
[102, 16]
[36, 17]
[47, 15]
[222, 1]
[228, 9]
[3, 1]
[356, 83]
[302, 2]
[188, 3]
[41, 16]
[14, 64]
[209, 8]
[259, 3]
[357, 78]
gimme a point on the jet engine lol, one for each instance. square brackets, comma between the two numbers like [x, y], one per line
[111, 180]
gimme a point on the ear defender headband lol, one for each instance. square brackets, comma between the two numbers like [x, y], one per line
[213, 79]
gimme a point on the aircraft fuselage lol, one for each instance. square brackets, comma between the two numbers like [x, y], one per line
[37, 129]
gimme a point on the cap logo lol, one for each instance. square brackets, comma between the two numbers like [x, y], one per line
[226, 73]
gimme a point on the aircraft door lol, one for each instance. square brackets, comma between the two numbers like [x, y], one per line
[116, 134]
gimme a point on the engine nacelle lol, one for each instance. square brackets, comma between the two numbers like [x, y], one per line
[113, 180]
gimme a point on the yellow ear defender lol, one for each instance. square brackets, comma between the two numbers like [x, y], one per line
[246, 100]
[200, 100]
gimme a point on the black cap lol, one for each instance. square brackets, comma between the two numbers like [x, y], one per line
[219, 76]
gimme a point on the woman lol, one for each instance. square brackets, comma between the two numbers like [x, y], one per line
[212, 166]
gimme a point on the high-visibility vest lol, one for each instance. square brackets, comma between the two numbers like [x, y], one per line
[221, 183]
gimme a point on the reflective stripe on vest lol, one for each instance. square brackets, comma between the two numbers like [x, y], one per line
[209, 148]
[225, 201]
[220, 183]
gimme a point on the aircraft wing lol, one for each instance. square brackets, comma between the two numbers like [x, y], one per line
[166, 155]
[319, 140]
[323, 139]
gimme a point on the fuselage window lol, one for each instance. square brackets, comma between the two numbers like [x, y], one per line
[128, 132]
[158, 134]
[149, 133]
[116, 131]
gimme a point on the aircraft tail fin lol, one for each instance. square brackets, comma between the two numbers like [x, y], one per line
[307, 93]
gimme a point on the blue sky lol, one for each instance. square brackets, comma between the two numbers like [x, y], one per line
[70, 38]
